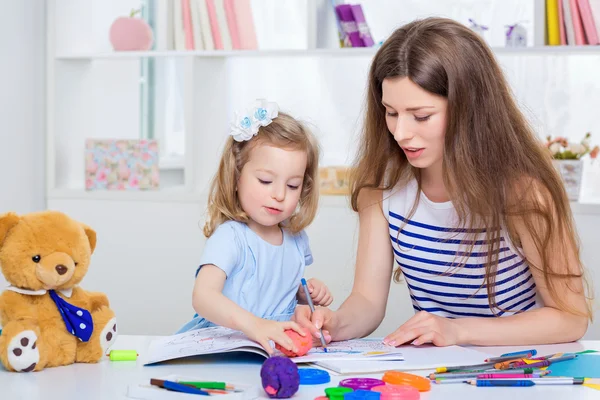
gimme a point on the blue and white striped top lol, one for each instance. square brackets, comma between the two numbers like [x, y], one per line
[427, 249]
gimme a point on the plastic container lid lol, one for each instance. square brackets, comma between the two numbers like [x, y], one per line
[361, 383]
[397, 392]
[402, 378]
[337, 393]
[313, 376]
[362, 395]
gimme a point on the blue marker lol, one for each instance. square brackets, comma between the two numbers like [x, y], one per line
[312, 309]
[512, 356]
[533, 352]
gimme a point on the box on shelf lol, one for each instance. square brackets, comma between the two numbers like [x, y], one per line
[118, 164]
[334, 180]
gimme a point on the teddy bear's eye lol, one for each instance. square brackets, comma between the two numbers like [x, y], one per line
[36, 258]
[76, 264]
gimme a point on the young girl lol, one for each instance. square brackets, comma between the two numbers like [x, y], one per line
[262, 197]
[454, 190]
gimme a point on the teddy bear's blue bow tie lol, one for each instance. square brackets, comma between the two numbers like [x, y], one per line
[78, 321]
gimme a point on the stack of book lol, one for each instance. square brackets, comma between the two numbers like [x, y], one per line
[573, 22]
[352, 25]
[206, 25]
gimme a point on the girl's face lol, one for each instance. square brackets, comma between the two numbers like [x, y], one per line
[417, 120]
[270, 184]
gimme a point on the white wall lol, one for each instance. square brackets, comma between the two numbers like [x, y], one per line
[148, 252]
[22, 115]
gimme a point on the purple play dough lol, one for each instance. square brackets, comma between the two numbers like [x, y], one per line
[282, 375]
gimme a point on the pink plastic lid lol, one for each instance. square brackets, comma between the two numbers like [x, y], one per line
[397, 392]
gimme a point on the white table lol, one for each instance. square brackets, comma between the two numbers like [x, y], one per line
[109, 380]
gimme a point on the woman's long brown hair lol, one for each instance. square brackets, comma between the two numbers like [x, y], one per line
[495, 168]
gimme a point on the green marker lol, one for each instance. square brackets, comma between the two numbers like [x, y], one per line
[123, 355]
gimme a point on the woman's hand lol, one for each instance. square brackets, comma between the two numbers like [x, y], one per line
[321, 318]
[424, 327]
[319, 293]
[262, 330]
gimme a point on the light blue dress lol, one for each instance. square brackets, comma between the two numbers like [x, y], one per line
[261, 278]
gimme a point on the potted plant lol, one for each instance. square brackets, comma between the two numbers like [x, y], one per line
[567, 159]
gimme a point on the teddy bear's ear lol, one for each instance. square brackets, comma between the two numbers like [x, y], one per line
[7, 222]
[91, 234]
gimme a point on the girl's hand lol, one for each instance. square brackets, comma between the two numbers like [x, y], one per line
[319, 293]
[424, 327]
[321, 318]
[262, 330]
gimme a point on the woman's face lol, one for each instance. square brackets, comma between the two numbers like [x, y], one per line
[417, 120]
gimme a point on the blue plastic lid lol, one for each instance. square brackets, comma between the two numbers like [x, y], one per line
[313, 376]
[362, 394]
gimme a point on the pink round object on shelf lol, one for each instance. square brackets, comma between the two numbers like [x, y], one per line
[130, 34]
[397, 392]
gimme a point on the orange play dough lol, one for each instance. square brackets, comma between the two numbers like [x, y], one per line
[303, 343]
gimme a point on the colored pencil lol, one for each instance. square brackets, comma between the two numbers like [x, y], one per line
[312, 310]
[442, 370]
[209, 385]
[510, 376]
[511, 356]
[178, 387]
[545, 363]
[527, 382]
[473, 374]
[508, 363]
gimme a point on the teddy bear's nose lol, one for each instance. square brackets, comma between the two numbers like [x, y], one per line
[61, 269]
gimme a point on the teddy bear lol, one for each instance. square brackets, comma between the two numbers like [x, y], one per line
[47, 319]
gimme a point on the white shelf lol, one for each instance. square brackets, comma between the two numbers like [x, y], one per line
[169, 195]
[172, 195]
[179, 195]
[586, 205]
[171, 163]
[548, 50]
[366, 51]
[220, 53]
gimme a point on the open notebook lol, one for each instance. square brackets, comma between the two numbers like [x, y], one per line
[414, 358]
[217, 340]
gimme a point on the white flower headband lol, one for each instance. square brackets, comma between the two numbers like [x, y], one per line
[246, 124]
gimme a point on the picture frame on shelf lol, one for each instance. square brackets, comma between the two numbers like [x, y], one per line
[118, 164]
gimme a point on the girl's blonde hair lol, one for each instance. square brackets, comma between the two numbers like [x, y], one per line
[494, 166]
[284, 132]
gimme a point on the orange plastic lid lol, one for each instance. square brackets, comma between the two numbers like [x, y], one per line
[402, 378]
